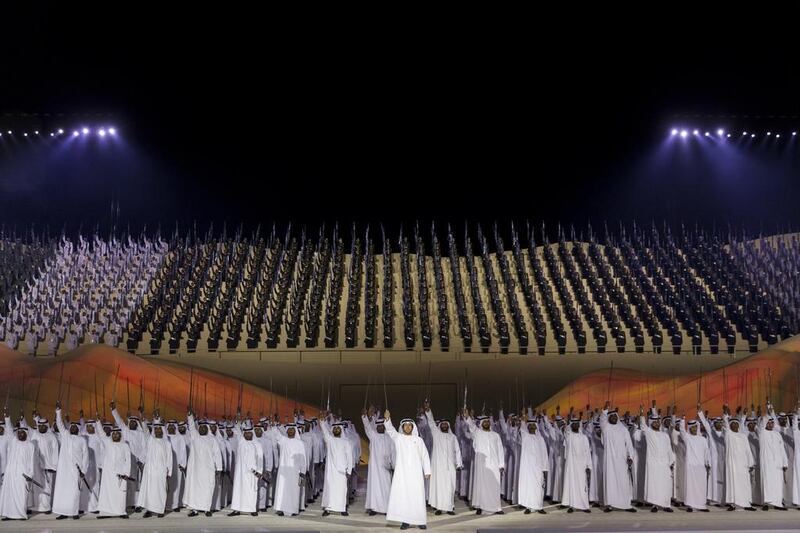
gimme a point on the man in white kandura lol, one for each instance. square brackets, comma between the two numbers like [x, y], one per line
[489, 464]
[412, 468]
[696, 467]
[773, 460]
[445, 462]
[659, 463]
[247, 470]
[534, 464]
[180, 455]
[202, 468]
[116, 473]
[739, 463]
[45, 443]
[791, 436]
[73, 463]
[291, 470]
[338, 466]
[618, 456]
[6, 435]
[716, 447]
[132, 434]
[381, 463]
[577, 467]
[157, 469]
[18, 477]
[95, 448]
[267, 450]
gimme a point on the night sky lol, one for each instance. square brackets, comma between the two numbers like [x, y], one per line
[236, 118]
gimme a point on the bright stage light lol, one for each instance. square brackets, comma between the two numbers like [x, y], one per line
[777, 135]
[744, 133]
[52, 134]
[729, 135]
[769, 133]
[85, 131]
[9, 132]
[102, 133]
[60, 131]
[112, 131]
[707, 134]
[25, 134]
[36, 132]
[752, 135]
[794, 133]
[684, 133]
[674, 132]
[720, 132]
[75, 133]
[696, 132]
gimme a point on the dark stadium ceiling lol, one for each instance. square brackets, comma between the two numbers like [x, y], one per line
[226, 119]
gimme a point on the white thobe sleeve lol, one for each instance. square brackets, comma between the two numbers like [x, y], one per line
[432, 422]
[701, 416]
[60, 422]
[367, 427]
[457, 461]
[425, 458]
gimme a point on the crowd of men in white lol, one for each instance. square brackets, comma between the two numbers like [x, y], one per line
[600, 458]
[84, 293]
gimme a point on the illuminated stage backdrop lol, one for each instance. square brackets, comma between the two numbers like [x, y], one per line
[774, 372]
[23, 379]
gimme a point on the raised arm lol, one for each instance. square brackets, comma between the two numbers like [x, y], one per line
[237, 426]
[469, 427]
[431, 420]
[118, 420]
[98, 430]
[59, 420]
[501, 419]
[726, 420]
[762, 420]
[643, 424]
[387, 423]
[192, 425]
[682, 428]
[701, 416]
[602, 417]
[368, 429]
